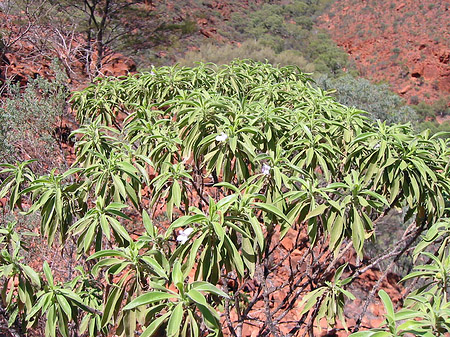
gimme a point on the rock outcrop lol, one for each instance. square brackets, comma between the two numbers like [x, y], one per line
[406, 44]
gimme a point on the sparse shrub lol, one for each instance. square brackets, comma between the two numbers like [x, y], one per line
[250, 49]
[436, 128]
[440, 107]
[414, 100]
[29, 117]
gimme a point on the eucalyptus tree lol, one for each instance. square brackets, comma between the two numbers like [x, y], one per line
[188, 186]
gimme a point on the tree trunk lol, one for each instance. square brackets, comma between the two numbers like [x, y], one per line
[100, 35]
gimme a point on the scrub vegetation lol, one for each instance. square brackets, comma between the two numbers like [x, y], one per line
[185, 184]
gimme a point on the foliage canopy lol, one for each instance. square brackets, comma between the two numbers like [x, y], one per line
[185, 183]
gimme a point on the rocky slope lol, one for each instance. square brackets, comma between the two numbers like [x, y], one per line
[406, 43]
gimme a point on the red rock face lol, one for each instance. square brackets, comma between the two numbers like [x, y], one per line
[118, 65]
[405, 43]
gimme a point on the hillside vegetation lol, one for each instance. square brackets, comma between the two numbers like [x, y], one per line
[163, 32]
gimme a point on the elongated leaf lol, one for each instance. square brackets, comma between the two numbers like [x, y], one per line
[174, 324]
[319, 210]
[65, 306]
[272, 210]
[387, 303]
[111, 304]
[309, 300]
[209, 288]
[148, 298]
[153, 327]
[48, 273]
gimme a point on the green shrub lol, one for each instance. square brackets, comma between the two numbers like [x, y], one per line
[326, 55]
[28, 118]
[236, 158]
[440, 107]
[377, 99]
[272, 26]
[249, 49]
[436, 128]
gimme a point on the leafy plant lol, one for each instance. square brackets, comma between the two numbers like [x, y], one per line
[187, 207]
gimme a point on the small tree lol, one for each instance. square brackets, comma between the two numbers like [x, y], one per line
[27, 13]
[195, 188]
[99, 21]
[18, 20]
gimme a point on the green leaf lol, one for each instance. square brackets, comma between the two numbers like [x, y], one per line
[148, 298]
[174, 324]
[377, 196]
[184, 221]
[218, 229]
[155, 266]
[153, 327]
[210, 317]
[48, 273]
[387, 303]
[34, 277]
[177, 275]
[310, 299]
[50, 325]
[197, 297]
[209, 288]
[105, 253]
[319, 210]
[119, 185]
[42, 302]
[176, 193]
[271, 209]
[65, 306]
[256, 226]
[235, 256]
[118, 228]
[148, 224]
[111, 304]
[411, 325]
[194, 327]
[227, 185]
[371, 334]
[358, 232]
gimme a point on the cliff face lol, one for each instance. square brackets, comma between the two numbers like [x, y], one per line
[406, 43]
